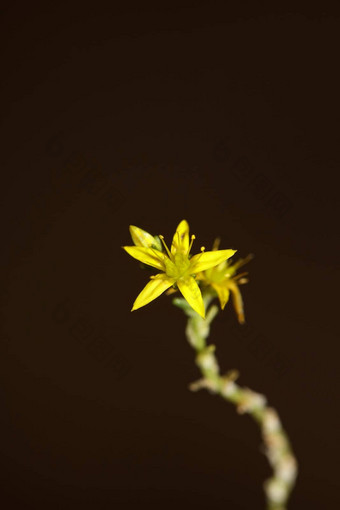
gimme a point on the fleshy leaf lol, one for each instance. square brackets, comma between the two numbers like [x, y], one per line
[181, 303]
[192, 294]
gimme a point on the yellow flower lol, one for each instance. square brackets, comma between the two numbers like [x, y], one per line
[223, 279]
[177, 266]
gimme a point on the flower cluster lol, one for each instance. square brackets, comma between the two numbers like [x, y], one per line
[182, 271]
[224, 280]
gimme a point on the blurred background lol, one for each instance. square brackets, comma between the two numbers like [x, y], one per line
[118, 115]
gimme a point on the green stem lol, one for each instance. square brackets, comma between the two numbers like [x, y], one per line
[277, 446]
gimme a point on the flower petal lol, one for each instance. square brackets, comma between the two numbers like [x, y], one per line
[140, 237]
[152, 290]
[208, 259]
[180, 241]
[192, 293]
[223, 294]
[237, 301]
[149, 256]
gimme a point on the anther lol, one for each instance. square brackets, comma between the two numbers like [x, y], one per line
[202, 248]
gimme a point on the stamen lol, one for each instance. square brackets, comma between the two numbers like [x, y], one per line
[193, 237]
[200, 254]
[165, 246]
[238, 276]
[216, 244]
[242, 262]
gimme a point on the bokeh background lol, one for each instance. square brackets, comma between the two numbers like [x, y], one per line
[116, 115]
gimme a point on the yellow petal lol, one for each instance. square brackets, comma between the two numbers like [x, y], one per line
[208, 259]
[191, 292]
[222, 292]
[140, 237]
[152, 290]
[237, 301]
[180, 241]
[201, 276]
[149, 256]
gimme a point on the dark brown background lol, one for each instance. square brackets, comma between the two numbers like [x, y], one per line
[148, 115]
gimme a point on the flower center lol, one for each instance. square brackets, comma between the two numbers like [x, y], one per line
[177, 267]
[178, 263]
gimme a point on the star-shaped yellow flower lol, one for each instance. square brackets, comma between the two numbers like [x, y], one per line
[177, 266]
[224, 280]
